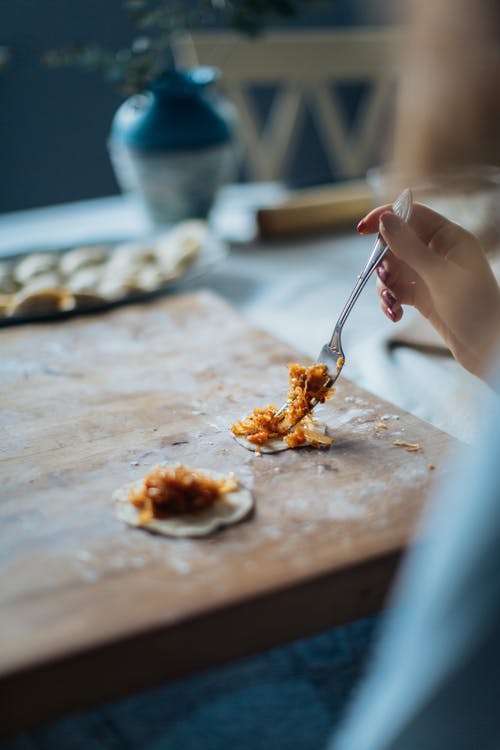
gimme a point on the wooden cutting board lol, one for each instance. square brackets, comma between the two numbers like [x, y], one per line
[90, 608]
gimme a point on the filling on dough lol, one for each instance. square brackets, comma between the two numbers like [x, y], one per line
[176, 490]
[295, 426]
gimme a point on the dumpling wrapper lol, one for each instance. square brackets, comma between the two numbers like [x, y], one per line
[8, 285]
[33, 265]
[181, 245]
[234, 507]
[78, 258]
[50, 280]
[41, 302]
[85, 280]
[275, 445]
[5, 304]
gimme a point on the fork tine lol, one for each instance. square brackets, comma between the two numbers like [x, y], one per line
[331, 359]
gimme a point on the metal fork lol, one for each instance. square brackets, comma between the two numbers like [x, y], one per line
[332, 354]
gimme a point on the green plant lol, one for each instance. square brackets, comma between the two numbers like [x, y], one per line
[157, 23]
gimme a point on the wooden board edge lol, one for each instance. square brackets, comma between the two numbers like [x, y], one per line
[110, 672]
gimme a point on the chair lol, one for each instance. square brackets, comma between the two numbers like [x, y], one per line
[344, 80]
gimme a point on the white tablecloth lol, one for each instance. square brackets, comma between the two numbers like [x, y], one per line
[294, 289]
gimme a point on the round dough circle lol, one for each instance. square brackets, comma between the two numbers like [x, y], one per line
[235, 507]
[276, 445]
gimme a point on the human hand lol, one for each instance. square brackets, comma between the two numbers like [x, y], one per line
[441, 269]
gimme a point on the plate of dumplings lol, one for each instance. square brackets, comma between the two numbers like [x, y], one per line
[57, 283]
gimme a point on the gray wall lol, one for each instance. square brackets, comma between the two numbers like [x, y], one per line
[54, 123]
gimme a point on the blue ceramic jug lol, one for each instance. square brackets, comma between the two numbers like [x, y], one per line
[175, 145]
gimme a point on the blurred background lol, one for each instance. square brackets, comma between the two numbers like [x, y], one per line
[55, 122]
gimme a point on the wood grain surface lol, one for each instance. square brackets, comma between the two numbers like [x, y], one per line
[92, 609]
[316, 209]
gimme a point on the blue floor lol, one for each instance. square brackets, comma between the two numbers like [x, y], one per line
[291, 697]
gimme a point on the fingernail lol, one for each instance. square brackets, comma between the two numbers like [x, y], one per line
[390, 222]
[390, 313]
[361, 227]
[389, 298]
[383, 274]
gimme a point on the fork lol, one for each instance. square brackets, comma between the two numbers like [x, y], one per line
[332, 354]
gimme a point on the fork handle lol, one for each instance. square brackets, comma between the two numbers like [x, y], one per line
[378, 252]
[402, 207]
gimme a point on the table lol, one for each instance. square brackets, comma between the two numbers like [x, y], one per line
[90, 608]
[293, 289]
[263, 281]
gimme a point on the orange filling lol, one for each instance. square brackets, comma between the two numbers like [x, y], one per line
[175, 490]
[307, 385]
